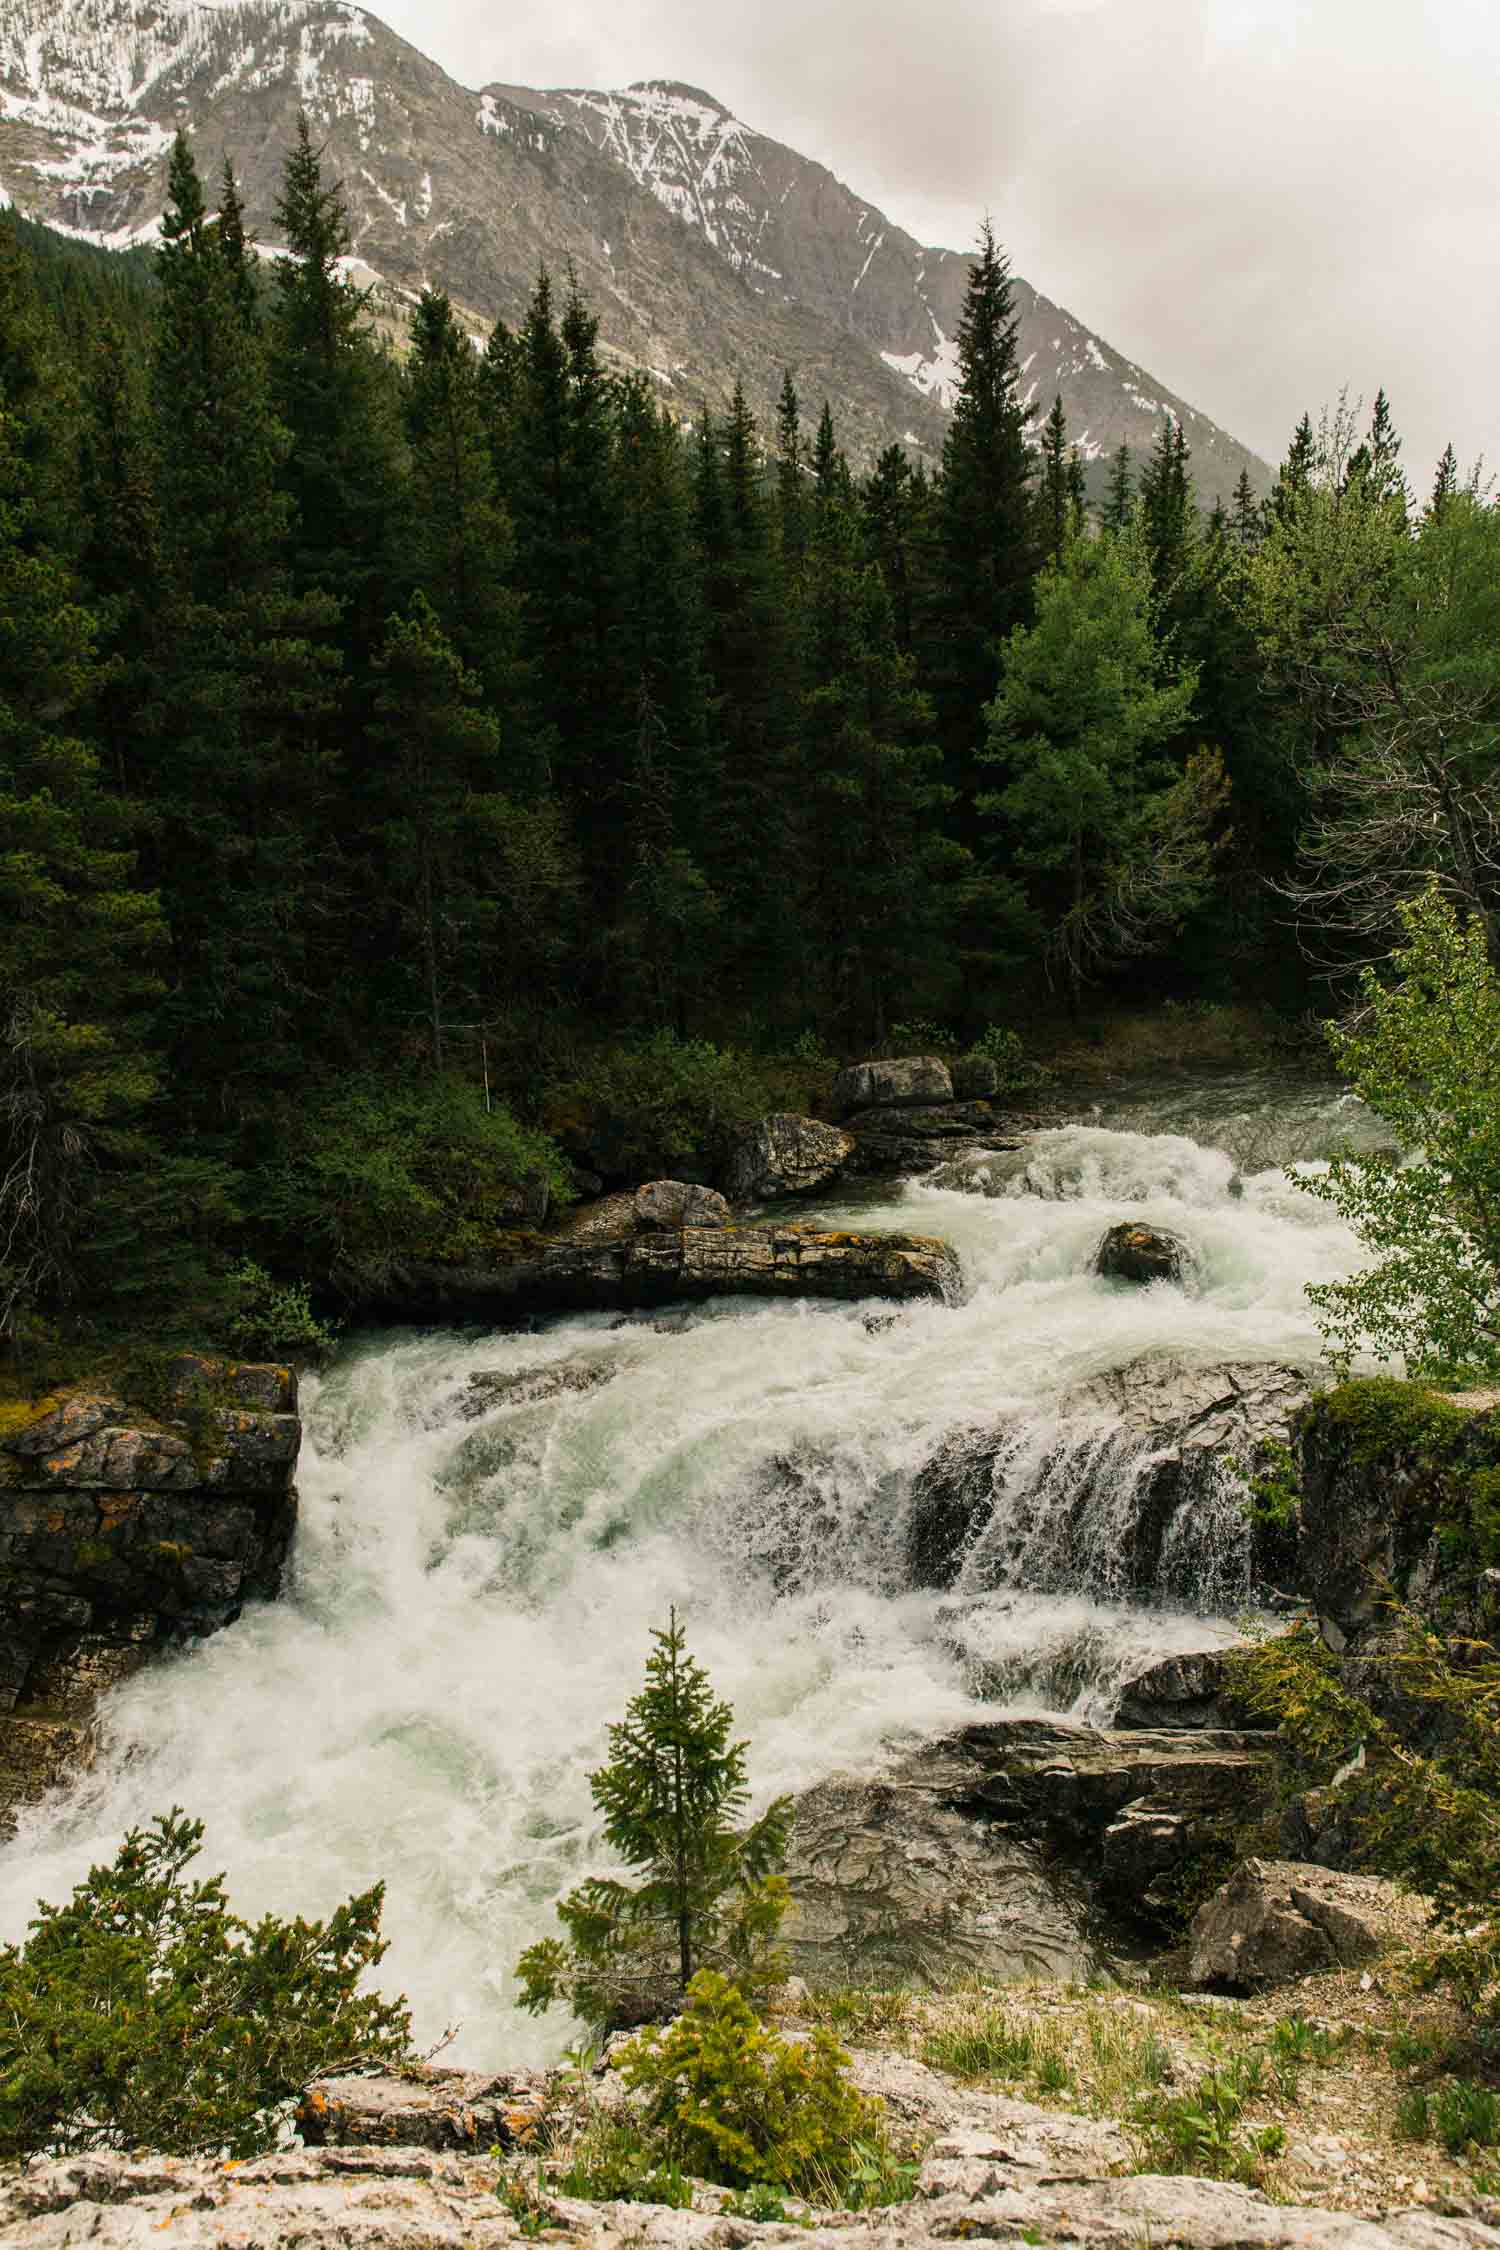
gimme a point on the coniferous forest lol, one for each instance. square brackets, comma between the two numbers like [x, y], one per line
[400, 749]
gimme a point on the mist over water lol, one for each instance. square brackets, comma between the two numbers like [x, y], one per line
[477, 1569]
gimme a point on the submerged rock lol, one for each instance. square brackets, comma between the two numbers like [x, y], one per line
[1277, 1920]
[785, 1155]
[899, 1082]
[1140, 1254]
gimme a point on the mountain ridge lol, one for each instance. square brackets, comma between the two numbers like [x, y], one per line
[707, 248]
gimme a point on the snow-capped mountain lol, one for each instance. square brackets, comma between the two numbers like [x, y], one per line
[708, 250]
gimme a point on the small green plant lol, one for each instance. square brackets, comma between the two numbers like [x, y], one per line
[1417, 2050]
[710, 1894]
[919, 1035]
[855, 2012]
[1466, 2116]
[616, 2161]
[1005, 1049]
[984, 2042]
[1202, 2131]
[274, 1319]
[145, 2013]
[735, 2102]
[1413, 2115]
[525, 2202]
[763, 2203]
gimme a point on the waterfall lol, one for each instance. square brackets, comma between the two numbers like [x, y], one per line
[491, 1525]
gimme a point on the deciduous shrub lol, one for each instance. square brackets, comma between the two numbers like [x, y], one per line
[145, 2013]
[661, 1105]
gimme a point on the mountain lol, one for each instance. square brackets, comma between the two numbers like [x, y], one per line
[708, 250]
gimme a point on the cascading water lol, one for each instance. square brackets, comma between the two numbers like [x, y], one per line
[492, 1524]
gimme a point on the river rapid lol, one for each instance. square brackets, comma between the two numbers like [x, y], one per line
[491, 1524]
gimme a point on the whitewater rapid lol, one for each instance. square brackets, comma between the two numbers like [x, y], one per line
[478, 1566]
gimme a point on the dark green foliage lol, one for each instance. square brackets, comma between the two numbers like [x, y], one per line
[146, 2013]
[708, 1896]
[666, 1106]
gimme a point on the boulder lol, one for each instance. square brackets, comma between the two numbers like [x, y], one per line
[785, 1155]
[1138, 1254]
[1276, 1920]
[902, 1082]
[663, 1204]
[1187, 1689]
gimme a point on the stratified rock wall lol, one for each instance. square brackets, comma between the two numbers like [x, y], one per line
[122, 1529]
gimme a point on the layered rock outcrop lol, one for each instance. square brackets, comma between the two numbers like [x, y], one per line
[1276, 1920]
[122, 1529]
[785, 1155]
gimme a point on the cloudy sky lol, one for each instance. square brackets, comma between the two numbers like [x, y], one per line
[1259, 200]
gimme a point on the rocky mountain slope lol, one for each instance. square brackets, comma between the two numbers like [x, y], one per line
[708, 249]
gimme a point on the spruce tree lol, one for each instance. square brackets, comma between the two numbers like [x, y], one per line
[709, 1894]
[1444, 485]
[988, 550]
[891, 533]
[791, 496]
[1119, 499]
[1295, 474]
[1054, 497]
[1246, 519]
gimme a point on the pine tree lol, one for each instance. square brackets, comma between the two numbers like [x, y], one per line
[1168, 515]
[988, 539]
[709, 1895]
[1055, 504]
[1444, 485]
[1119, 500]
[890, 507]
[235, 248]
[832, 484]
[791, 496]
[1246, 521]
[77, 938]
[1295, 474]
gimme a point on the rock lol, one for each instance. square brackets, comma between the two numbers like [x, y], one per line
[489, 1388]
[121, 1530]
[785, 1155]
[891, 1885]
[1009, 2172]
[1134, 1253]
[572, 1271]
[424, 2107]
[1276, 1920]
[1190, 1689]
[663, 1204]
[975, 1078]
[900, 1082]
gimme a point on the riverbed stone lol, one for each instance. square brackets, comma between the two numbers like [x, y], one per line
[1140, 1254]
[785, 1155]
[1190, 1688]
[902, 1081]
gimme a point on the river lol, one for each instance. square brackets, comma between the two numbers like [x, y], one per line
[479, 1564]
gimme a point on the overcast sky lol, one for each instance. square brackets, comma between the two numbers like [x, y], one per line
[1259, 200]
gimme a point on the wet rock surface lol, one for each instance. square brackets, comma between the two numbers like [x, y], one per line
[121, 1530]
[664, 1204]
[785, 1155]
[1274, 1921]
[1140, 1255]
[1188, 1690]
[900, 1081]
[617, 1267]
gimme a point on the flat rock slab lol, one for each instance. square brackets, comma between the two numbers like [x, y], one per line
[630, 1270]
[1275, 1920]
[899, 1081]
[986, 2182]
[424, 2106]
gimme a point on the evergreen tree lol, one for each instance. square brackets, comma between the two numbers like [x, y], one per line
[77, 938]
[1119, 500]
[1444, 484]
[1115, 838]
[337, 396]
[1246, 521]
[883, 880]
[1056, 507]
[1168, 515]
[988, 553]
[709, 1895]
[831, 480]
[1295, 474]
[791, 496]
[890, 506]
[235, 248]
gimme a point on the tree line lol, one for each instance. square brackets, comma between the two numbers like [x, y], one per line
[377, 728]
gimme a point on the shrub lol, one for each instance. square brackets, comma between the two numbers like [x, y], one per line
[1005, 1050]
[1425, 1053]
[737, 2103]
[373, 1173]
[710, 1895]
[274, 1319]
[146, 2013]
[663, 1105]
[1202, 2131]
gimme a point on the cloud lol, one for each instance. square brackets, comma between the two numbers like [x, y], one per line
[1259, 200]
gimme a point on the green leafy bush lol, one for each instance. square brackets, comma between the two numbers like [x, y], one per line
[614, 2161]
[372, 1173]
[1460, 2114]
[1425, 1053]
[1202, 2131]
[274, 1319]
[661, 1106]
[736, 2102]
[1005, 1049]
[145, 2013]
[710, 1894]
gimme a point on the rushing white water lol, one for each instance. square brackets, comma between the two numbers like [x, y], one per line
[478, 1568]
